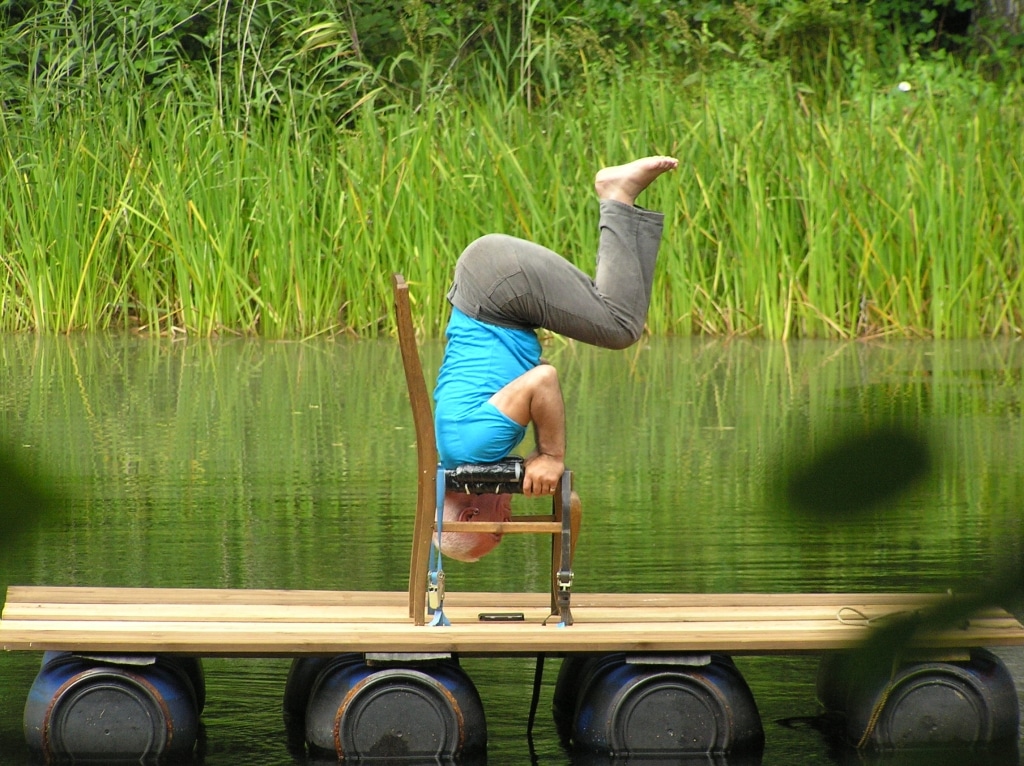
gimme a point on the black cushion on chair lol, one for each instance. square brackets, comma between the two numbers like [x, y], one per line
[487, 478]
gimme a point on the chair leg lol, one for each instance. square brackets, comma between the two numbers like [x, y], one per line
[415, 567]
[418, 590]
[562, 549]
[422, 532]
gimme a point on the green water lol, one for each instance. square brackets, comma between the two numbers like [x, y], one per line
[252, 464]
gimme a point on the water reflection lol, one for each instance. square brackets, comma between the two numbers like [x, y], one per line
[595, 759]
[944, 757]
[241, 463]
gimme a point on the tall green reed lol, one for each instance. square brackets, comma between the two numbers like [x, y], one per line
[853, 214]
[845, 219]
[57, 250]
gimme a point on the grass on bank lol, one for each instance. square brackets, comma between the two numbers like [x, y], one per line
[878, 213]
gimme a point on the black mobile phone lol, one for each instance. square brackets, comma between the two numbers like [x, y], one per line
[501, 616]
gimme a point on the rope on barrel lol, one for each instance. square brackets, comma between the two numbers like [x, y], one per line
[879, 706]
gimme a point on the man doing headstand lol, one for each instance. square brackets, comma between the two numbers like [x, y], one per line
[493, 383]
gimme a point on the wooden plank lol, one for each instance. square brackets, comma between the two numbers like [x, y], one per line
[85, 595]
[326, 606]
[285, 639]
[88, 595]
[504, 527]
[240, 612]
[219, 622]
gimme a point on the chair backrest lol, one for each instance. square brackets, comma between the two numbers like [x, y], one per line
[419, 397]
[426, 447]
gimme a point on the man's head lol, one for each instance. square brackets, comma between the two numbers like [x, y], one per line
[470, 546]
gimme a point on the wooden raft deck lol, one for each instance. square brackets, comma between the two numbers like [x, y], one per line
[269, 623]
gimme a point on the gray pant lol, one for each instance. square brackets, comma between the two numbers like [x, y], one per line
[511, 282]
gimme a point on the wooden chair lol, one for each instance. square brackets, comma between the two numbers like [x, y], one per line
[562, 523]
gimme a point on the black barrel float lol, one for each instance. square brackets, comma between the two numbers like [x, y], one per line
[963, 703]
[656, 705]
[114, 708]
[573, 676]
[301, 676]
[421, 710]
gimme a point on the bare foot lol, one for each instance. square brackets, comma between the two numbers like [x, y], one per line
[623, 183]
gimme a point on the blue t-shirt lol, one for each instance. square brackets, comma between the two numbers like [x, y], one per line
[479, 360]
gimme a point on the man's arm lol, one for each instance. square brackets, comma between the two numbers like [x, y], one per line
[536, 396]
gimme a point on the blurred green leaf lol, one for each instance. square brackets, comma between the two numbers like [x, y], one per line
[858, 472]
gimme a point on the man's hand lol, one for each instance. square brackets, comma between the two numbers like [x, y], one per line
[542, 474]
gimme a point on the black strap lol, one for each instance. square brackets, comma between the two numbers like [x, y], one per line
[538, 677]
